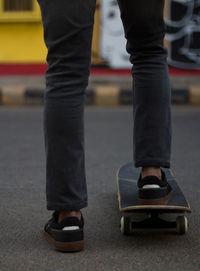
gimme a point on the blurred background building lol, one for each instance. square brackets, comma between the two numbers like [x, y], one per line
[22, 48]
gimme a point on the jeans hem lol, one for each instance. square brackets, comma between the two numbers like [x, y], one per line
[67, 207]
[152, 162]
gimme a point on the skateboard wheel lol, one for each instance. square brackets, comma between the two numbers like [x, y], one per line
[126, 225]
[181, 224]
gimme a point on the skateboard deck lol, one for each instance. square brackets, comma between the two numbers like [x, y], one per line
[127, 189]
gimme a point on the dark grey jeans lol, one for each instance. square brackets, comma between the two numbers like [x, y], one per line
[68, 26]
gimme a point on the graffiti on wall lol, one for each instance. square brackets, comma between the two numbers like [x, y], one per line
[183, 33]
[182, 18]
[113, 43]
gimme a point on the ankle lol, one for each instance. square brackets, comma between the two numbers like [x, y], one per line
[65, 214]
[151, 170]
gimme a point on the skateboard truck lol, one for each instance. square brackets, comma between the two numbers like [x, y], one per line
[153, 221]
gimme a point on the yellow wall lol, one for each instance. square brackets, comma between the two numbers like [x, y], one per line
[166, 10]
[22, 42]
[96, 34]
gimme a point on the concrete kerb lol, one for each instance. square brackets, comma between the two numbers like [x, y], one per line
[99, 95]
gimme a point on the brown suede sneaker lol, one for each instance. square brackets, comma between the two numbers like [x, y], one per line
[66, 236]
[153, 191]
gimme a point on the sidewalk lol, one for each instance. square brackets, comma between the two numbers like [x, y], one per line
[110, 90]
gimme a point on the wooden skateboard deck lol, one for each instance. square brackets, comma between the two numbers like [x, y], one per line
[127, 189]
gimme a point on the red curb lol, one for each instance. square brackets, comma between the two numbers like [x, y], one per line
[40, 69]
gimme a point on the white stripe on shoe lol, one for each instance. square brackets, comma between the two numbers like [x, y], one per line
[150, 186]
[71, 228]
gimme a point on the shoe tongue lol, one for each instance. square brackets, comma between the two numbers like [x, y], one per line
[151, 179]
[70, 221]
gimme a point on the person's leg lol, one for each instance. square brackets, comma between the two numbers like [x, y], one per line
[68, 27]
[144, 30]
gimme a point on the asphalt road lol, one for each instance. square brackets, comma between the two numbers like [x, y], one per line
[108, 144]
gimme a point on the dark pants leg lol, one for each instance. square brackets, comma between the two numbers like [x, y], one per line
[144, 31]
[68, 27]
[68, 31]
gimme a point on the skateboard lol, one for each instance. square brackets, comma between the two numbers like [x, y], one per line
[149, 216]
